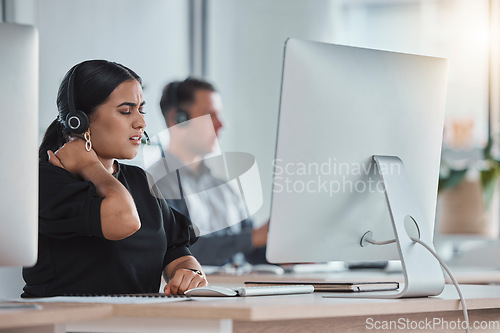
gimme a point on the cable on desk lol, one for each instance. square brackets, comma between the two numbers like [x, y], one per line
[370, 240]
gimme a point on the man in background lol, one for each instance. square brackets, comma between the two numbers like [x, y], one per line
[226, 235]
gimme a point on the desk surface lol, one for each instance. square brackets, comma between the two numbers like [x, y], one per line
[268, 313]
[311, 306]
[51, 314]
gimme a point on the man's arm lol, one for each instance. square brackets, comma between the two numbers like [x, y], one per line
[218, 248]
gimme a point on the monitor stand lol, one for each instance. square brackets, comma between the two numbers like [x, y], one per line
[422, 272]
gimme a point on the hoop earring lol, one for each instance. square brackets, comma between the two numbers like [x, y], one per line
[88, 143]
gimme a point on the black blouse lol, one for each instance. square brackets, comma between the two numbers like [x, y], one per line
[73, 255]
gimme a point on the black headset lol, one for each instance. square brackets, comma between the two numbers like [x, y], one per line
[181, 116]
[77, 121]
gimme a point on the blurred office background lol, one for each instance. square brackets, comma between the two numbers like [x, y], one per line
[238, 45]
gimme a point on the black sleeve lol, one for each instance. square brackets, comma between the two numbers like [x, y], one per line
[68, 207]
[180, 233]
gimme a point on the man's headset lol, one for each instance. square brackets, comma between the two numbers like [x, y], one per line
[77, 121]
[181, 116]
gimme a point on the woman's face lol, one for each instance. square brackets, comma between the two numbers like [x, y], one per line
[117, 126]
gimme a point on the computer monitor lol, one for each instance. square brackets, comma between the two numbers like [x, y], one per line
[339, 106]
[19, 154]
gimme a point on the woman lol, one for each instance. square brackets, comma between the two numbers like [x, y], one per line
[100, 229]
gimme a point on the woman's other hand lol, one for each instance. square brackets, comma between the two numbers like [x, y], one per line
[73, 157]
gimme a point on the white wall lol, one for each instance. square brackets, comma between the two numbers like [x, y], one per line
[245, 51]
[11, 282]
[245, 48]
[454, 29]
[149, 36]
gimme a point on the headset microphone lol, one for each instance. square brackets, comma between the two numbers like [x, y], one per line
[148, 141]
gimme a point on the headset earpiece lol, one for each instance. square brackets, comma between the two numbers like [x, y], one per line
[181, 116]
[76, 122]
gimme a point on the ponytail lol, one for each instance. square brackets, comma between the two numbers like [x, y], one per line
[53, 139]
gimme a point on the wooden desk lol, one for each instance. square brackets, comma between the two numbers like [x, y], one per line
[476, 275]
[50, 318]
[298, 313]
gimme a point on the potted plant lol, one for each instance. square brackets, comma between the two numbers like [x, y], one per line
[468, 195]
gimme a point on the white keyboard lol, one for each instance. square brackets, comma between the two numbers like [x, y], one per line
[217, 291]
[274, 290]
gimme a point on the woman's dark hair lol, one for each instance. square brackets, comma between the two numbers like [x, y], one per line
[93, 82]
